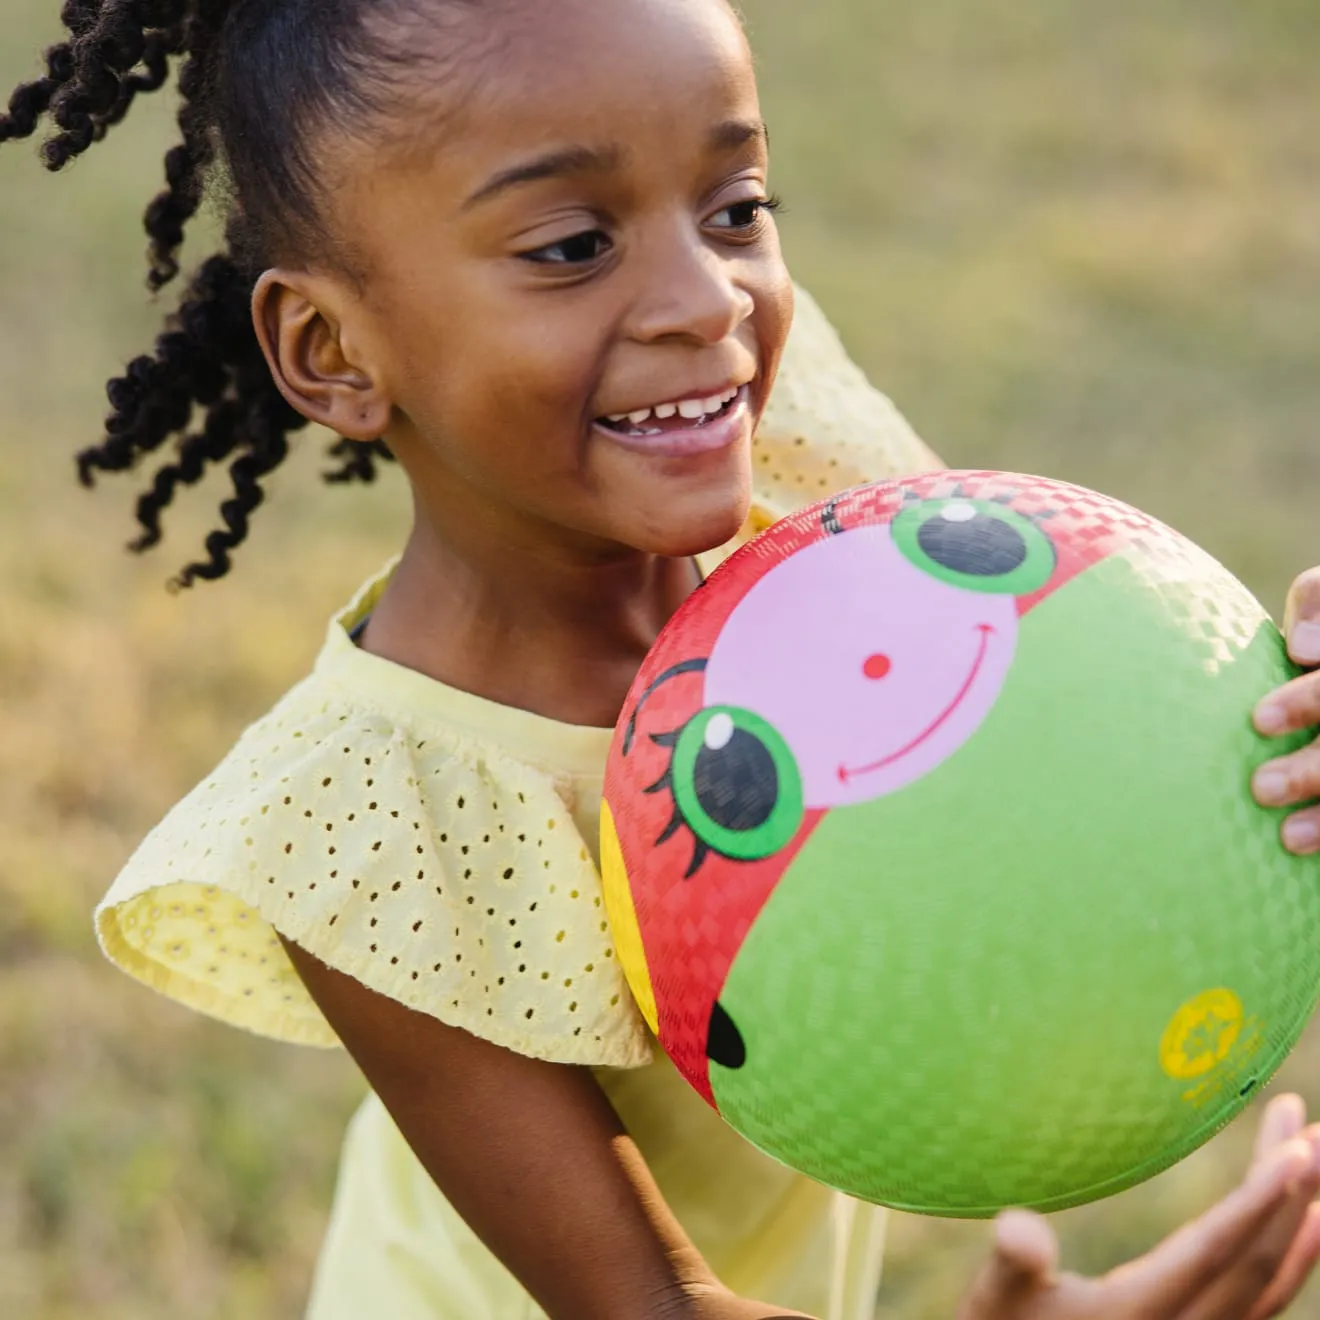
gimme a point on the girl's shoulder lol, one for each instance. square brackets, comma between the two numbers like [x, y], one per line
[373, 818]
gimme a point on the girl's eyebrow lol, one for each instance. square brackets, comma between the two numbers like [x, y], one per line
[735, 133]
[728, 136]
[554, 164]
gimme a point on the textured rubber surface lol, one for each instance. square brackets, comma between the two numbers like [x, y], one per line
[1045, 964]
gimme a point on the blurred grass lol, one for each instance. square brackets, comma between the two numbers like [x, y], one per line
[1066, 237]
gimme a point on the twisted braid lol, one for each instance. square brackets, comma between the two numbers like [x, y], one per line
[357, 461]
[186, 165]
[154, 399]
[156, 51]
[112, 40]
[268, 421]
[197, 452]
[206, 386]
[208, 358]
[31, 100]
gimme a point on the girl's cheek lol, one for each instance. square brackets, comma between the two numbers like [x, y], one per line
[775, 318]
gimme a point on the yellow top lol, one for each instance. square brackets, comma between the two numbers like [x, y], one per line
[441, 848]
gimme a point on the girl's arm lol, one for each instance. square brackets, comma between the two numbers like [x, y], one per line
[534, 1158]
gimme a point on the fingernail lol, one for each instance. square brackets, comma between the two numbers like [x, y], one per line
[1304, 643]
[1301, 836]
[1271, 787]
[1271, 718]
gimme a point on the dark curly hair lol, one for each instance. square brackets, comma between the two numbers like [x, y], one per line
[255, 78]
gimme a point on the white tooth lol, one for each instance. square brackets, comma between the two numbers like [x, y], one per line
[713, 404]
[638, 417]
[692, 408]
[666, 410]
[617, 417]
[730, 395]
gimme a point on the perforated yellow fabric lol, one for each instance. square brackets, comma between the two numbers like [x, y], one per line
[382, 821]
[436, 846]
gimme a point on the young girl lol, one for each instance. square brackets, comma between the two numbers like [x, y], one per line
[526, 249]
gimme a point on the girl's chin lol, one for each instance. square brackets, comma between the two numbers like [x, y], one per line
[683, 511]
[702, 530]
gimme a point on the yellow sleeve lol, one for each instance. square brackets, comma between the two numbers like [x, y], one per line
[826, 427]
[435, 871]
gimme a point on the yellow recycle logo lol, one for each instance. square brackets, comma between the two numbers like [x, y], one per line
[1201, 1034]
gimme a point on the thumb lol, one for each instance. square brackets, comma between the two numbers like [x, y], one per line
[1025, 1257]
[1301, 619]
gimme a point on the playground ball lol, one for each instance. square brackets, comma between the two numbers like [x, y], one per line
[929, 848]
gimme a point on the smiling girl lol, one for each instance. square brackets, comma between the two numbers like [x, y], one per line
[527, 249]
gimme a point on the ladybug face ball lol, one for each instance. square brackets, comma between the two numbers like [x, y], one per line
[929, 852]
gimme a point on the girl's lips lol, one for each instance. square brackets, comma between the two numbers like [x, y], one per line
[719, 433]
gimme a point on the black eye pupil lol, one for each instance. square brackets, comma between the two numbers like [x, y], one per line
[582, 248]
[737, 785]
[979, 547]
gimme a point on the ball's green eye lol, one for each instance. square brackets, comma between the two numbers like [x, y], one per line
[737, 784]
[977, 544]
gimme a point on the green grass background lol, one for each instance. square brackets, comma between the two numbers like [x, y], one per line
[1068, 237]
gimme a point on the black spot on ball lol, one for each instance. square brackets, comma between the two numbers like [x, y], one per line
[724, 1042]
[979, 547]
[737, 785]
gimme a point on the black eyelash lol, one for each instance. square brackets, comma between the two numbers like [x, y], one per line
[669, 740]
[674, 671]
[665, 784]
[764, 206]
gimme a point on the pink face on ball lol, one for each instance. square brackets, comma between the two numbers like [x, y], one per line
[871, 669]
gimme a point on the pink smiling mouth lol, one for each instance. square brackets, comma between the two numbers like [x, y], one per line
[986, 631]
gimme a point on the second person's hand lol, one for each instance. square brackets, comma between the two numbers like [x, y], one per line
[1245, 1259]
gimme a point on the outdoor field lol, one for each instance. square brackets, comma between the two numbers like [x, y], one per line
[1067, 237]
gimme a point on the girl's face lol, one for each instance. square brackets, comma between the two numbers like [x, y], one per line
[576, 231]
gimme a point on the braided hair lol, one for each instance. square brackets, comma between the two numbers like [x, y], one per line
[255, 79]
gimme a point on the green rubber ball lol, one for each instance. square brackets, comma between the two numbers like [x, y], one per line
[930, 852]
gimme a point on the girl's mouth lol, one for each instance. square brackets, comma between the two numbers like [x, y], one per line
[692, 426]
[681, 415]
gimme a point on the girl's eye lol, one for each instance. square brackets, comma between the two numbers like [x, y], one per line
[745, 216]
[977, 544]
[736, 784]
[580, 249]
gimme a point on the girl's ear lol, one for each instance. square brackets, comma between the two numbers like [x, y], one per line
[313, 367]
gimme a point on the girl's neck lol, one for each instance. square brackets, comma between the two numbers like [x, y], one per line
[557, 630]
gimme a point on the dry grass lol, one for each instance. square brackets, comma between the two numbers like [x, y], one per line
[1067, 237]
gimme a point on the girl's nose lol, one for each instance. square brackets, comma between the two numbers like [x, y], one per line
[695, 297]
[877, 665]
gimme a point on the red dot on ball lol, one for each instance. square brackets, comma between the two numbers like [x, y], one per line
[876, 666]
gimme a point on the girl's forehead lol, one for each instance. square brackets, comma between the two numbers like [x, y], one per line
[540, 71]
[648, 91]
